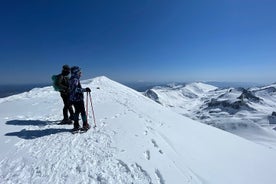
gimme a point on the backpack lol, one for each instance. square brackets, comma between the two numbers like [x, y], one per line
[55, 84]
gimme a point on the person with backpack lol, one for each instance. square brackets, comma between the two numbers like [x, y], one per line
[62, 83]
[77, 98]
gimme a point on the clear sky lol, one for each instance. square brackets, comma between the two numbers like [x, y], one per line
[139, 40]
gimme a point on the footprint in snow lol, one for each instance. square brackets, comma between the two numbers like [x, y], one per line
[115, 116]
[149, 121]
[123, 166]
[156, 146]
[145, 132]
[147, 155]
[149, 128]
[154, 143]
[159, 177]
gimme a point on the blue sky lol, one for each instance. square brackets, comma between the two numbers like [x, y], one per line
[145, 40]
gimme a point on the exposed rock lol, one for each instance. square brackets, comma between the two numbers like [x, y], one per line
[248, 95]
[152, 95]
[229, 107]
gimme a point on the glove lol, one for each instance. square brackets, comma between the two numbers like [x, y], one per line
[88, 90]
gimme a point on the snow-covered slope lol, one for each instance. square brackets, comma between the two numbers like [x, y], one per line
[181, 98]
[246, 113]
[136, 141]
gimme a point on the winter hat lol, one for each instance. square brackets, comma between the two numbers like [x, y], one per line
[66, 68]
[75, 70]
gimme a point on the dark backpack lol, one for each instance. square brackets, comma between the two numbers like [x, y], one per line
[55, 82]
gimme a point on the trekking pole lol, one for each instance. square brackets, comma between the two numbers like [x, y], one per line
[86, 108]
[92, 110]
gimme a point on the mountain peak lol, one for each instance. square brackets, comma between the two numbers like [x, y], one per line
[201, 86]
[96, 79]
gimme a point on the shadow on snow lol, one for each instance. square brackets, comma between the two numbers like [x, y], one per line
[30, 122]
[33, 134]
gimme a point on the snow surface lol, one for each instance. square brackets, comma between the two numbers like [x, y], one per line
[136, 141]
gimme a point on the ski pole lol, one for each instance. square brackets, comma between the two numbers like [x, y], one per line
[92, 110]
[86, 108]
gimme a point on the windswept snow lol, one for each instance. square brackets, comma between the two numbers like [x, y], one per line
[136, 141]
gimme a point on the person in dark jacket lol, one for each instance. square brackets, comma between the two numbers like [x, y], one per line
[77, 98]
[63, 84]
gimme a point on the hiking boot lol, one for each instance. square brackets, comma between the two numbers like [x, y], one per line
[75, 129]
[66, 122]
[86, 126]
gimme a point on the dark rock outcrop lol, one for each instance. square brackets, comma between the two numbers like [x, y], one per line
[249, 96]
[152, 95]
[230, 107]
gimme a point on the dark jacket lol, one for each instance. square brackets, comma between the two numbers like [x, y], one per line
[76, 91]
[63, 84]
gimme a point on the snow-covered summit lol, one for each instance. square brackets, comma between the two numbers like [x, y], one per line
[100, 79]
[199, 87]
[136, 141]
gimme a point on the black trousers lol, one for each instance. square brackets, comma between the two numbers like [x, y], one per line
[67, 106]
[79, 109]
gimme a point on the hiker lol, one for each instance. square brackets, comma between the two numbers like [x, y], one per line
[77, 98]
[63, 85]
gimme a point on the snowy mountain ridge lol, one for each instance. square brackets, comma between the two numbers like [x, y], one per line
[136, 141]
[244, 112]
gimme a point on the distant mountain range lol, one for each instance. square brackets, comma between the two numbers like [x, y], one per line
[245, 112]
